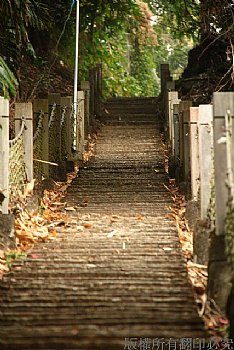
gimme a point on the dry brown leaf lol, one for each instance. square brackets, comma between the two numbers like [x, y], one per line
[2, 254]
[53, 233]
[115, 217]
[140, 217]
[87, 225]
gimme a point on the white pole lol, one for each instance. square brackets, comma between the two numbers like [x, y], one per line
[76, 72]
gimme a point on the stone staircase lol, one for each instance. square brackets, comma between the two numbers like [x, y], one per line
[116, 276]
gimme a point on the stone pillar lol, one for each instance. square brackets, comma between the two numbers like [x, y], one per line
[85, 86]
[194, 152]
[172, 99]
[220, 281]
[184, 110]
[206, 163]
[25, 110]
[41, 105]
[80, 125]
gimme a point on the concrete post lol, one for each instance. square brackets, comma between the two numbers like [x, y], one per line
[184, 109]
[80, 125]
[176, 123]
[4, 154]
[223, 101]
[41, 105]
[25, 110]
[169, 87]
[172, 99]
[173, 125]
[194, 152]
[55, 137]
[67, 102]
[220, 282]
[164, 76]
[205, 136]
[85, 86]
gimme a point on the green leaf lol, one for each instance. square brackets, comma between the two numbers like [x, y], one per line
[8, 82]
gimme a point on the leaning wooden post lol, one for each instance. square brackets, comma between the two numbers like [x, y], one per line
[205, 137]
[220, 273]
[80, 125]
[41, 105]
[4, 154]
[194, 152]
[25, 110]
[85, 86]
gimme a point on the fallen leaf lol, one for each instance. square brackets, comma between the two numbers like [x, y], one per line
[53, 233]
[199, 289]
[91, 265]
[111, 234]
[113, 220]
[29, 188]
[3, 267]
[70, 209]
[2, 254]
[34, 256]
[75, 331]
[87, 225]
[115, 217]
[167, 249]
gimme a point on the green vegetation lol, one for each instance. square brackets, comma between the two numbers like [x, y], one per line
[130, 48]
[129, 37]
[8, 81]
[12, 255]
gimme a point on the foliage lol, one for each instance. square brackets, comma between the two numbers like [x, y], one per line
[13, 255]
[172, 50]
[143, 69]
[16, 17]
[196, 19]
[124, 54]
[8, 81]
[119, 35]
[180, 18]
[132, 62]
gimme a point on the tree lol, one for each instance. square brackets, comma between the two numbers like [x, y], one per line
[16, 18]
